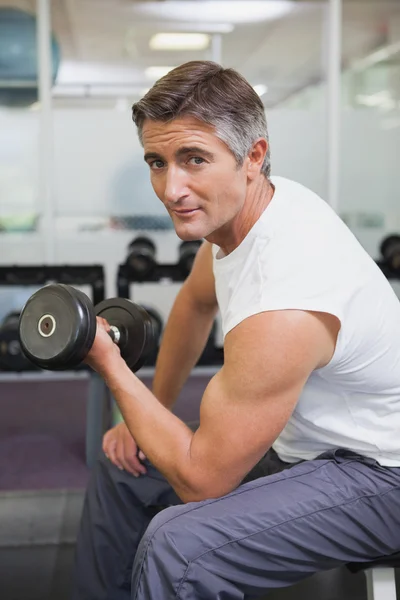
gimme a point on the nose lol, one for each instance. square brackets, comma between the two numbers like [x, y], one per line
[175, 185]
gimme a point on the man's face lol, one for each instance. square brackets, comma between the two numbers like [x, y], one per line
[194, 175]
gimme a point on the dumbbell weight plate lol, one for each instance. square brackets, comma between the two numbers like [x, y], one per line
[388, 242]
[11, 320]
[187, 254]
[156, 322]
[11, 355]
[141, 257]
[57, 327]
[390, 250]
[135, 326]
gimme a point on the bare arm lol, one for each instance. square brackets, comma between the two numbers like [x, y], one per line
[185, 335]
[187, 329]
[268, 359]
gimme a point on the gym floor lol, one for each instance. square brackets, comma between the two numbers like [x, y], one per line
[42, 481]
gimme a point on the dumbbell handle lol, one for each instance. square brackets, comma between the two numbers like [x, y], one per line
[115, 334]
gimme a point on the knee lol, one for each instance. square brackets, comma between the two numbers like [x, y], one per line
[161, 526]
[162, 556]
[171, 532]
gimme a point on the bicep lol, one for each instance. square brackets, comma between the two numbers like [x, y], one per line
[234, 433]
[268, 359]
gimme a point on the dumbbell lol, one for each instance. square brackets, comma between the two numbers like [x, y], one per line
[390, 250]
[141, 257]
[156, 321]
[57, 328]
[11, 355]
[187, 253]
[158, 325]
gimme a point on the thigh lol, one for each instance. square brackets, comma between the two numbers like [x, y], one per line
[275, 530]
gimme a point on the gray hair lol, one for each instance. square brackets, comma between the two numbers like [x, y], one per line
[219, 97]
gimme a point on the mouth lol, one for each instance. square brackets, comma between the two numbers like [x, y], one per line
[187, 212]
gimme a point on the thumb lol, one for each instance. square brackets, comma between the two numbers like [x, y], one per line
[141, 455]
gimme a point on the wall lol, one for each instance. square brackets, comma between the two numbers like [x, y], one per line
[99, 172]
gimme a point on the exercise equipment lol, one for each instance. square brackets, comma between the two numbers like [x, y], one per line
[11, 355]
[156, 321]
[390, 250]
[141, 258]
[57, 328]
[158, 325]
[187, 254]
[40, 275]
[171, 273]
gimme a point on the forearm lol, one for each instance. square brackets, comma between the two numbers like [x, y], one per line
[185, 335]
[163, 437]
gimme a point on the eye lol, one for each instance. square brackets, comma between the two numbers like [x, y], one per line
[198, 160]
[156, 164]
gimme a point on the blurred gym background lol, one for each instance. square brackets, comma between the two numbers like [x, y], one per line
[75, 194]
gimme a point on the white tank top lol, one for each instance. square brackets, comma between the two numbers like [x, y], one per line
[300, 255]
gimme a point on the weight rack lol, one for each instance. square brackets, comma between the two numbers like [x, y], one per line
[27, 275]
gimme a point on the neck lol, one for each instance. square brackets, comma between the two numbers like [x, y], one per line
[233, 233]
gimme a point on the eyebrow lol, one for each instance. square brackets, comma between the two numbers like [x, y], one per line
[181, 152]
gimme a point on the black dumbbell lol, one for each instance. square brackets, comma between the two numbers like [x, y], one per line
[141, 258]
[11, 355]
[390, 250]
[57, 328]
[156, 321]
[187, 253]
[158, 325]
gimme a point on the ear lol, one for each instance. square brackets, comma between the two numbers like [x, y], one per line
[255, 157]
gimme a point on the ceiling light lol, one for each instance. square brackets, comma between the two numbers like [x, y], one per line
[179, 41]
[260, 89]
[236, 11]
[191, 26]
[154, 73]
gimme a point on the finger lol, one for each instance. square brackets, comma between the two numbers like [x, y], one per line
[106, 441]
[141, 455]
[110, 450]
[128, 456]
[121, 458]
[106, 324]
[135, 463]
[102, 323]
[112, 453]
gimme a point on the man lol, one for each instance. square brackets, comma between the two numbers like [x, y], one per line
[295, 465]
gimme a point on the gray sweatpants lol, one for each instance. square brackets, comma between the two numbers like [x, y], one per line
[280, 526]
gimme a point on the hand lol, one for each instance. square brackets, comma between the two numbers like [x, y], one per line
[103, 351]
[121, 449]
